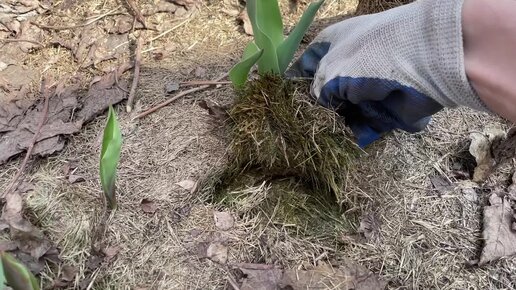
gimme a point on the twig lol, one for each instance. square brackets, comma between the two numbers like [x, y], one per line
[198, 83]
[136, 78]
[75, 26]
[22, 40]
[44, 91]
[137, 13]
[179, 95]
[232, 281]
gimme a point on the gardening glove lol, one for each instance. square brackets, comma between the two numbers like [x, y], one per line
[390, 70]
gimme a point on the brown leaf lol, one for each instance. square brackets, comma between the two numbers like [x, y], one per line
[480, 148]
[500, 240]
[217, 252]
[348, 276]
[20, 121]
[66, 278]
[369, 226]
[267, 279]
[8, 246]
[111, 252]
[104, 93]
[246, 23]
[504, 149]
[223, 220]
[73, 178]
[148, 206]
[27, 237]
[187, 184]
[440, 183]
[219, 113]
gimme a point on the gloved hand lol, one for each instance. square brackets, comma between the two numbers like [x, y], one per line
[390, 70]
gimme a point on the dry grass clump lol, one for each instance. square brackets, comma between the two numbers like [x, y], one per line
[277, 133]
[375, 6]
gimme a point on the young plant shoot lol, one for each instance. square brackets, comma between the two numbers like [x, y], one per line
[17, 276]
[109, 157]
[271, 50]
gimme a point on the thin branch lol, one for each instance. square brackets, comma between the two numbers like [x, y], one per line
[136, 12]
[44, 92]
[76, 26]
[136, 78]
[179, 95]
[199, 83]
[22, 40]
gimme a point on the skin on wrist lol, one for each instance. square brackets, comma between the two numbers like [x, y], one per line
[489, 33]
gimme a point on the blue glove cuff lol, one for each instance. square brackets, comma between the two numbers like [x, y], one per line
[387, 105]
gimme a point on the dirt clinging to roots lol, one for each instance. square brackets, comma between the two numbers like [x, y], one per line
[277, 132]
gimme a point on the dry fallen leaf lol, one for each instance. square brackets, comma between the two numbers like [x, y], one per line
[111, 252]
[187, 184]
[369, 226]
[499, 238]
[217, 252]
[66, 278]
[73, 178]
[104, 92]
[219, 113]
[348, 276]
[440, 183]
[148, 206]
[480, 148]
[504, 149]
[223, 220]
[246, 23]
[20, 119]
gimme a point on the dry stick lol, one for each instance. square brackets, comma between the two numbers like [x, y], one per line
[136, 78]
[22, 40]
[179, 95]
[45, 92]
[75, 26]
[198, 83]
[136, 11]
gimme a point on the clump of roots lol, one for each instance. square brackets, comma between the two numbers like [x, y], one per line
[276, 132]
[375, 6]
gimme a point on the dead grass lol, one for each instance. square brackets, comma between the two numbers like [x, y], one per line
[424, 241]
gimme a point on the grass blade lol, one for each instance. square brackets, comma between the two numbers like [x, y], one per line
[110, 155]
[288, 48]
[17, 275]
[238, 74]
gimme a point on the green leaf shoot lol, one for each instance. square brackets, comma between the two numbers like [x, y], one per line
[17, 275]
[276, 50]
[109, 157]
[238, 74]
[288, 48]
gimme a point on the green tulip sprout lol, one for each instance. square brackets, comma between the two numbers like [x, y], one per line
[16, 274]
[110, 155]
[271, 50]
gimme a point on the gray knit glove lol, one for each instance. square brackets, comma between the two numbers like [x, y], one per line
[391, 70]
